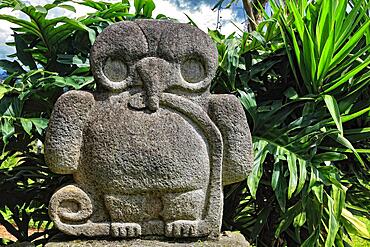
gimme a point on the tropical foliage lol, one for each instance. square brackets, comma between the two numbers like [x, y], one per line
[302, 76]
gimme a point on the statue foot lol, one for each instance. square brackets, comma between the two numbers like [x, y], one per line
[123, 230]
[182, 228]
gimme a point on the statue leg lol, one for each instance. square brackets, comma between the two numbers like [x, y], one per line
[127, 213]
[182, 213]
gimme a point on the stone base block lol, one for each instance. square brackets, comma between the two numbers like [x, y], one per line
[227, 239]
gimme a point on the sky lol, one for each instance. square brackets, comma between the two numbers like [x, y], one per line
[200, 11]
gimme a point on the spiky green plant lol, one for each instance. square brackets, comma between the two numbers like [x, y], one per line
[305, 89]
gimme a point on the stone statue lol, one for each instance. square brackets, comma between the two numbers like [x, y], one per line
[151, 150]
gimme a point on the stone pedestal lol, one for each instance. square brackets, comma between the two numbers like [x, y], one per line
[227, 239]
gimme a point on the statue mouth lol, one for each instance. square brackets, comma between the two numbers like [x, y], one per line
[140, 101]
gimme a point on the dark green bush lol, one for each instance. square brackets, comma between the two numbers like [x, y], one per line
[303, 78]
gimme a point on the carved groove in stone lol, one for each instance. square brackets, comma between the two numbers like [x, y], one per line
[71, 205]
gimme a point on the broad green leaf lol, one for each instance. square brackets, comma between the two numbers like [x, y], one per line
[333, 108]
[291, 93]
[11, 161]
[73, 59]
[328, 175]
[290, 57]
[139, 4]
[276, 173]
[354, 225]
[328, 156]
[148, 8]
[25, 57]
[81, 70]
[81, 26]
[95, 5]
[11, 107]
[316, 184]
[41, 9]
[300, 219]
[67, 7]
[357, 131]
[309, 58]
[354, 115]
[342, 140]
[314, 212]
[340, 13]
[11, 67]
[216, 36]
[333, 224]
[31, 27]
[27, 125]
[256, 174]
[346, 150]
[339, 198]
[312, 240]
[261, 221]
[302, 174]
[293, 175]
[258, 37]
[3, 90]
[40, 124]
[288, 218]
[248, 100]
[281, 192]
[324, 24]
[162, 17]
[7, 130]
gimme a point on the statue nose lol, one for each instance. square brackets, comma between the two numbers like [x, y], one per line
[155, 74]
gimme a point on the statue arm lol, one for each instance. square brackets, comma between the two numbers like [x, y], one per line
[229, 116]
[65, 130]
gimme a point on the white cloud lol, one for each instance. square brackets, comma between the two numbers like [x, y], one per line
[81, 10]
[6, 32]
[203, 16]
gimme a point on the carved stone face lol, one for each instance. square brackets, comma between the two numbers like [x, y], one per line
[152, 59]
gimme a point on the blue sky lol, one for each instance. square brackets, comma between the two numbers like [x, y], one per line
[199, 10]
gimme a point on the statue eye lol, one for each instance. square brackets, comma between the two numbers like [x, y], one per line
[192, 70]
[115, 69]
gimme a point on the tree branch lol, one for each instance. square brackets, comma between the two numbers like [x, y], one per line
[249, 10]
